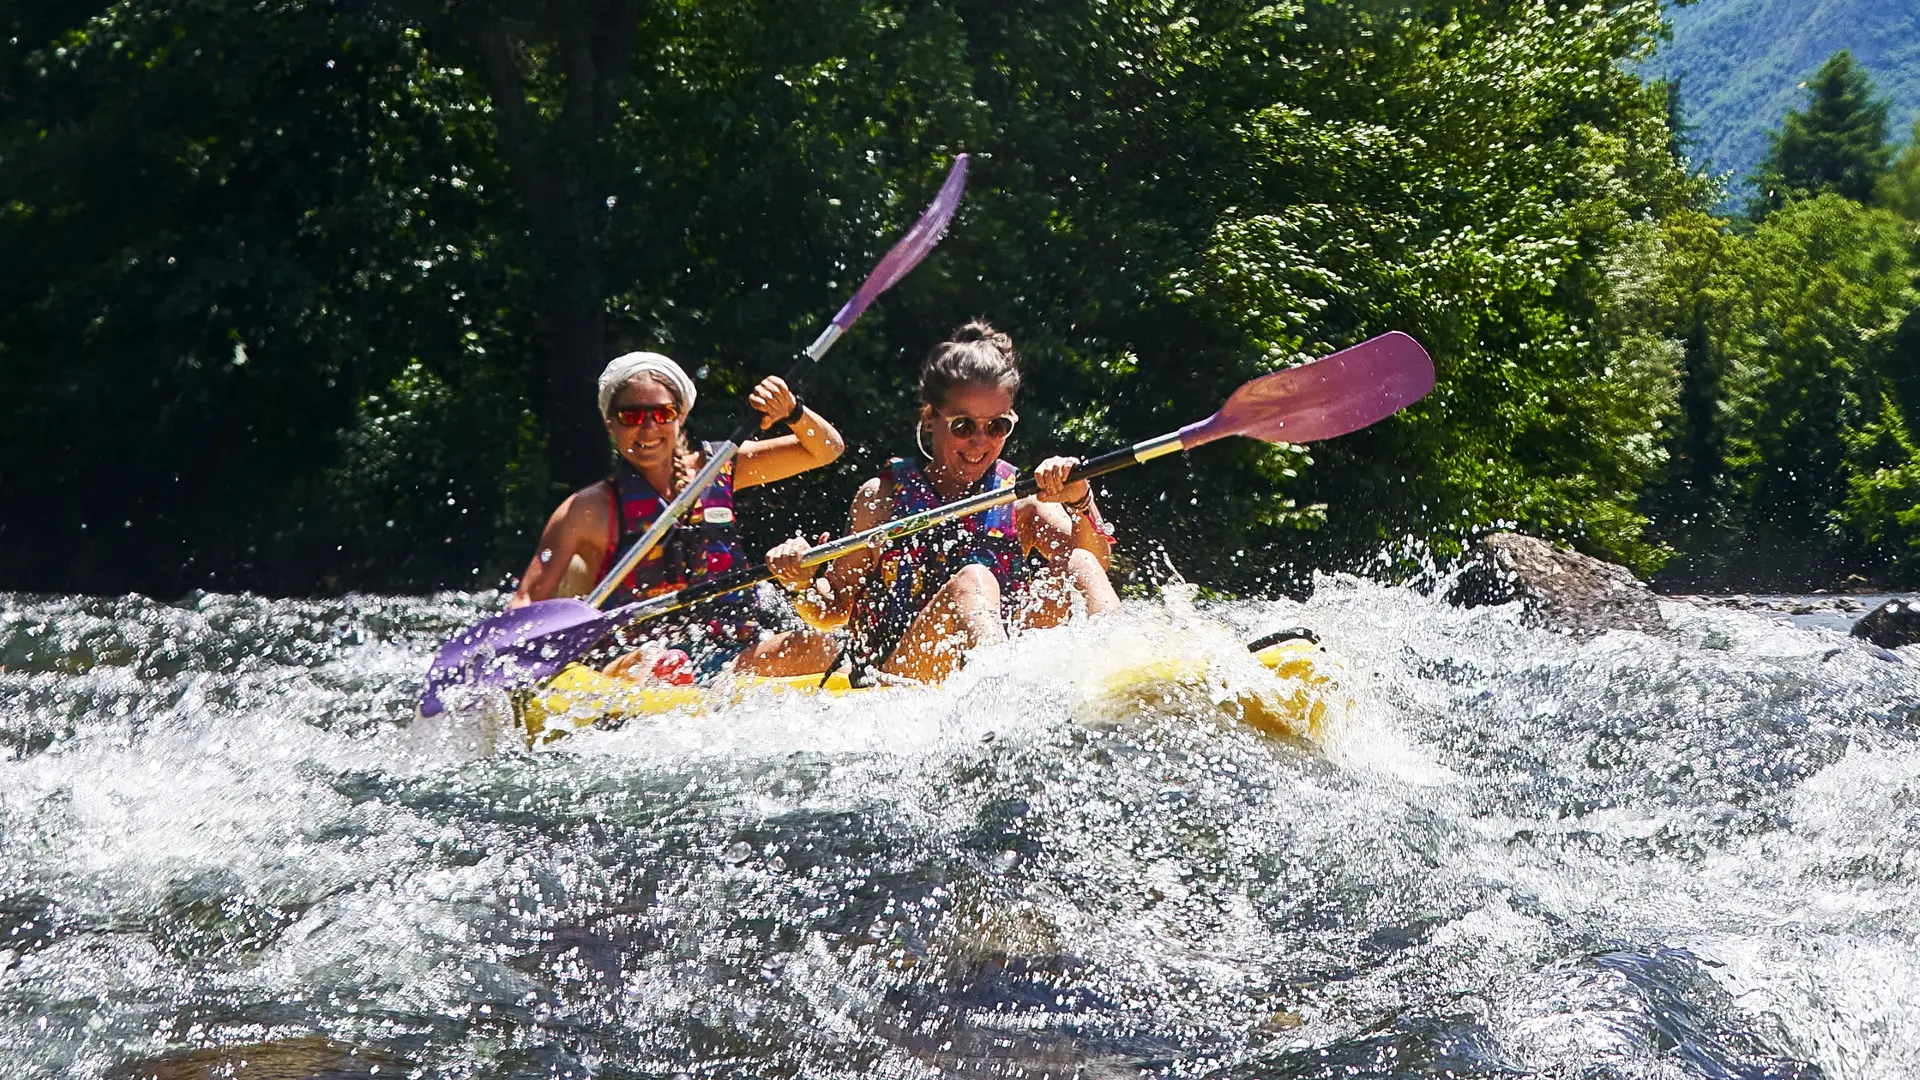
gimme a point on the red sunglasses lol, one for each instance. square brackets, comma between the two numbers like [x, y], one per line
[634, 415]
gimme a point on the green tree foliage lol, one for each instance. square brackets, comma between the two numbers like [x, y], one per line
[1497, 210]
[1811, 402]
[1693, 504]
[1838, 143]
[1828, 283]
[554, 78]
[225, 226]
[1883, 484]
[1899, 188]
[292, 269]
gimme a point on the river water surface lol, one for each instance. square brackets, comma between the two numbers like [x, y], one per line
[226, 849]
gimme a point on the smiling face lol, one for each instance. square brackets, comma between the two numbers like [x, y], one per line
[966, 459]
[647, 446]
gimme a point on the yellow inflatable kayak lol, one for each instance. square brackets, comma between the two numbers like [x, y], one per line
[1294, 706]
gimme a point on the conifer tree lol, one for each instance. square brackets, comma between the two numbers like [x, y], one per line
[1837, 144]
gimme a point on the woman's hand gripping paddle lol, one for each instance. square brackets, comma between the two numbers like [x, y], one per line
[494, 650]
[1334, 395]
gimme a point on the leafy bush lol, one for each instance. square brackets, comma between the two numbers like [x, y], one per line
[424, 461]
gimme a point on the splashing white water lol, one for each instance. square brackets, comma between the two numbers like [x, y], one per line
[1517, 853]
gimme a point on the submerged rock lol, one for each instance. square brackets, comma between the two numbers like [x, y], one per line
[1561, 590]
[1892, 624]
[307, 1057]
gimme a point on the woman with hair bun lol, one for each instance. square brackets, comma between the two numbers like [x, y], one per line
[913, 606]
[644, 400]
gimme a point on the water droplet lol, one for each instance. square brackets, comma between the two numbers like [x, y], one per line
[740, 851]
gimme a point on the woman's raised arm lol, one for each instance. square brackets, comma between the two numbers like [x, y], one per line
[814, 442]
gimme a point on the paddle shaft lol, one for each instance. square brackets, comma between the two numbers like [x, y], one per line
[1320, 399]
[754, 574]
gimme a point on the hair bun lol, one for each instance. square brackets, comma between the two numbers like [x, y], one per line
[981, 330]
[976, 353]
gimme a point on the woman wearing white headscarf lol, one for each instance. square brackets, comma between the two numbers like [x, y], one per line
[644, 401]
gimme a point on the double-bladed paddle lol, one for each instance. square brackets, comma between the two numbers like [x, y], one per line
[547, 621]
[1320, 399]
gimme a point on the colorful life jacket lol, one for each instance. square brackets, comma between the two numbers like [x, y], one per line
[701, 544]
[908, 571]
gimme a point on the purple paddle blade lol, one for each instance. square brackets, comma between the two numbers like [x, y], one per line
[911, 248]
[514, 648]
[1323, 398]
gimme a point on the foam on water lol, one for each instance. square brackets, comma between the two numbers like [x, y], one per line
[1519, 853]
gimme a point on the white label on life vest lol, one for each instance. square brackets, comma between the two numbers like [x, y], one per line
[717, 515]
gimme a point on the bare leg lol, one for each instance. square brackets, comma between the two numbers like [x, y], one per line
[1089, 578]
[964, 614]
[1054, 588]
[792, 652]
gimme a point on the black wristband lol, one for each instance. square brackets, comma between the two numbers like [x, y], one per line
[799, 409]
[1084, 505]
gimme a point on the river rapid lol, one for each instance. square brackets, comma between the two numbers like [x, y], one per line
[227, 849]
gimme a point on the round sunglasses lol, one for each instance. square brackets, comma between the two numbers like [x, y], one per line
[963, 427]
[634, 415]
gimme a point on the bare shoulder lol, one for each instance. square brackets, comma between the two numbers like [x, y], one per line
[587, 510]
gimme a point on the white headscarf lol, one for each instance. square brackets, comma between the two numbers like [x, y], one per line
[622, 370]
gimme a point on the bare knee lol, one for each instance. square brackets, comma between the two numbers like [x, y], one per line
[972, 597]
[964, 614]
[794, 652]
[1090, 579]
[1081, 563]
[975, 582]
